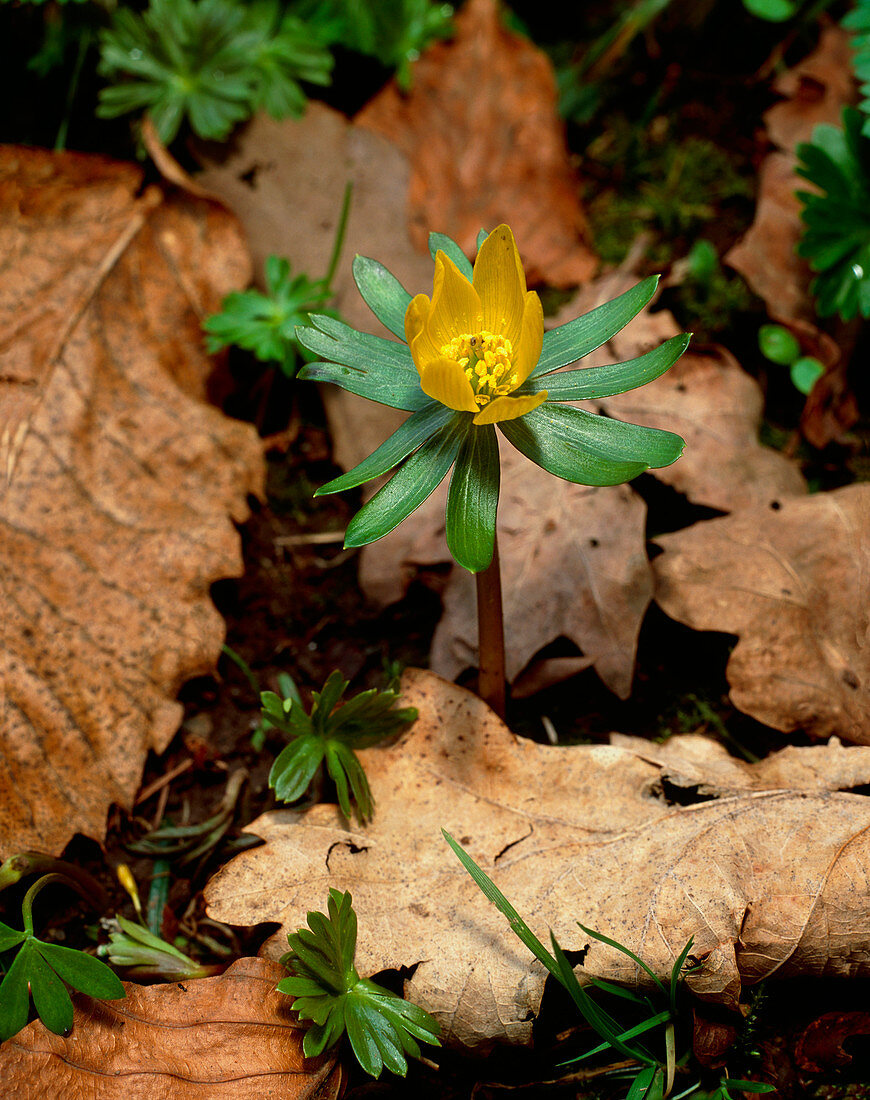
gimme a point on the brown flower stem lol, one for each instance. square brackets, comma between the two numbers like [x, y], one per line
[490, 628]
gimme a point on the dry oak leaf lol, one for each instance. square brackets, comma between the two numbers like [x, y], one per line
[793, 582]
[767, 881]
[482, 131]
[227, 1038]
[118, 514]
[574, 565]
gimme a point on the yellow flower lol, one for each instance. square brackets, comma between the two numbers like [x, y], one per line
[476, 342]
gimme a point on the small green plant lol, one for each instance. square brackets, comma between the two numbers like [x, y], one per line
[836, 239]
[43, 971]
[393, 31]
[653, 1076]
[782, 347]
[857, 21]
[147, 955]
[265, 324]
[329, 735]
[383, 1029]
[209, 62]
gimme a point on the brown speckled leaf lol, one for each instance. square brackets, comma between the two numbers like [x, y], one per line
[481, 128]
[792, 581]
[227, 1038]
[116, 516]
[769, 881]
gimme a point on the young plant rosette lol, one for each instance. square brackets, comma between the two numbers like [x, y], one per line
[476, 357]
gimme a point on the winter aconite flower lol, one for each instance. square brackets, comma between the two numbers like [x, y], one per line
[476, 342]
[477, 358]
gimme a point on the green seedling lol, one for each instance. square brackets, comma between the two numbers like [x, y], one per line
[393, 31]
[44, 970]
[478, 359]
[146, 955]
[329, 736]
[836, 239]
[383, 1029]
[781, 346]
[265, 324]
[857, 22]
[210, 63]
[654, 1074]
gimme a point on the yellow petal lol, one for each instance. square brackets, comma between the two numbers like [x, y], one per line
[527, 350]
[423, 351]
[445, 380]
[455, 303]
[500, 281]
[509, 408]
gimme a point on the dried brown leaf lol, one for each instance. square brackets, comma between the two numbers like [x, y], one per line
[768, 882]
[481, 129]
[792, 580]
[227, 1038]
[124, 483]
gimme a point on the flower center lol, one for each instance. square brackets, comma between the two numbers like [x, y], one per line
[486, 360]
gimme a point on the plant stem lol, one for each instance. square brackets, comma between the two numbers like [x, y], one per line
[490, 628]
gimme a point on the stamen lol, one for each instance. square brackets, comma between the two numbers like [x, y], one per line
[486, 362]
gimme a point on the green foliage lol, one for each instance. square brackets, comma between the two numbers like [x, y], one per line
[858, 22]
[568, 442]
[836, 239]
[266, 324]
[329, 735]
[43, 971]
[327, 990]
[146, 955]
[211, 62]
[658, 1013]
[773, 11]
[671, 187]
[781, 346]
[393, 31]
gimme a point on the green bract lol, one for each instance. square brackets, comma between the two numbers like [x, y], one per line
[327, 990]
[329, 735]
[213, 62]
[836, 241]
[569, 442]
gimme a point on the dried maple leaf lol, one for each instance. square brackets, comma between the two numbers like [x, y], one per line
[767, 881]
[574, 564]
[793, 582]
[481, 129]
[227, 1038]
[117, 516]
